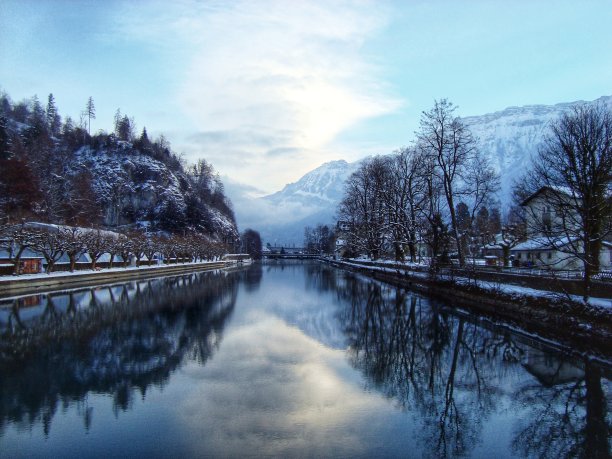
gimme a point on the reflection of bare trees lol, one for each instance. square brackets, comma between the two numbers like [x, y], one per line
[449, 371]
[566, 420]
[117, 339]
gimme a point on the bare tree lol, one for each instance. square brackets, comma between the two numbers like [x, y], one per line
[405, 198]
[51, 244]
[363, 206]
[96, 244]
[573, 171]
[431, 225]
[74, 243]
[449, 142]
[481, 182]
[16, 238]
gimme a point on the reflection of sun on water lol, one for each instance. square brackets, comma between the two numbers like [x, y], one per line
[287, 390]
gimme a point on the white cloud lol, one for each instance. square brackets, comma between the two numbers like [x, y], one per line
[268, 76]
[295, 404]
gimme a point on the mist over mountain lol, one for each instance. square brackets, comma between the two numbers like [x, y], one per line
[508, 137]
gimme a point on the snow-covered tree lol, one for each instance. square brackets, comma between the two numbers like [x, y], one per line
[446, 139]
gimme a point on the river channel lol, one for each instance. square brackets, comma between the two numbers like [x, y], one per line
[286, 360]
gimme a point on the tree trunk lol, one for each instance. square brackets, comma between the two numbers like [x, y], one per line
[596, 435]
[72, 259]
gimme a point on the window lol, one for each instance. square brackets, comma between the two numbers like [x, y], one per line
[547, 218]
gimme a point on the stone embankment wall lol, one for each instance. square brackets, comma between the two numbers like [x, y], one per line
[21, 285]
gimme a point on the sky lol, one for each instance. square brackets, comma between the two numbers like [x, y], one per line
[268, 90]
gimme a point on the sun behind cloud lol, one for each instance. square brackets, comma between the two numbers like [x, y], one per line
[272, 79]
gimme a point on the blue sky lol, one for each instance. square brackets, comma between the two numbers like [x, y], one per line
[268, 90]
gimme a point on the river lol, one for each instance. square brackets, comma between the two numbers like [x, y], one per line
[287, 359]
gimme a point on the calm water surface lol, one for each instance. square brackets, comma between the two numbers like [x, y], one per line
[283, 360]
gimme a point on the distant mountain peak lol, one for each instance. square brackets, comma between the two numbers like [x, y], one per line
[318, 188]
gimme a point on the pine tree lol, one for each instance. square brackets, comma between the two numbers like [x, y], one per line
[5, 141]
[53, 118]
[144, 138]
[90, 112]
[117, 121]
[37, 116]
[125, 129]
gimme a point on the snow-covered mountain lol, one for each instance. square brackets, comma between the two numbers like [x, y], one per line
[509, 137]
[318, 188]
[311, 200]
[512, 136]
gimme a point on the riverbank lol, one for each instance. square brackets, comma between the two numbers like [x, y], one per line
[33, 283]
[556, 317]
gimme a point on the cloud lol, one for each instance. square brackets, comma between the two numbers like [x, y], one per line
[266, 77]
[297, 392]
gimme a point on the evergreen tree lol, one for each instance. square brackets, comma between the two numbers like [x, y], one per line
[144, 138]
[251, 244]
[5, 140]
[495, 225]
[464, 220]
[90, 112]
[53, 118]
[117, 121]
[481, 225]
[37, 118]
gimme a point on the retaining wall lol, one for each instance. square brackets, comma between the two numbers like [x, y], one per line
[19, 285]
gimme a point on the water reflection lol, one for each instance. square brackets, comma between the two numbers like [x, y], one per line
[286, 359]
[117, 340]
[451, 372]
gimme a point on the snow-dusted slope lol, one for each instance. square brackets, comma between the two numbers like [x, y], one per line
[135, 187]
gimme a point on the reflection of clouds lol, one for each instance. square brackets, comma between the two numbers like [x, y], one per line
[274, 391]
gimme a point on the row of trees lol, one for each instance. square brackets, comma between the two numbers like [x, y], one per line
[440, 192]
[411, 197]
[55, 242]
[319, 240]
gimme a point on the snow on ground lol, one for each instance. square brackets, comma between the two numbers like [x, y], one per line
[510, 289]
[12, 278]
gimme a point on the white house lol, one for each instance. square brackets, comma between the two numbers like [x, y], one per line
[553, 233]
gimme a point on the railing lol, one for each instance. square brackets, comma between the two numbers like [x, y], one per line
[604, 276]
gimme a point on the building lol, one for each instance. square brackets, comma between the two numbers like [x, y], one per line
[553, 233]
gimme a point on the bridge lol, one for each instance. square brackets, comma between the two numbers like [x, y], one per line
[290, 256]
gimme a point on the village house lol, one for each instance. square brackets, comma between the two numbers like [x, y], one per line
[341, 248]
[552, 236]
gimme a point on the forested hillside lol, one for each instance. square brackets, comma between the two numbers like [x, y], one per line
[54, 170]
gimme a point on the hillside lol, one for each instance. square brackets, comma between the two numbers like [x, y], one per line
[57, 173]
